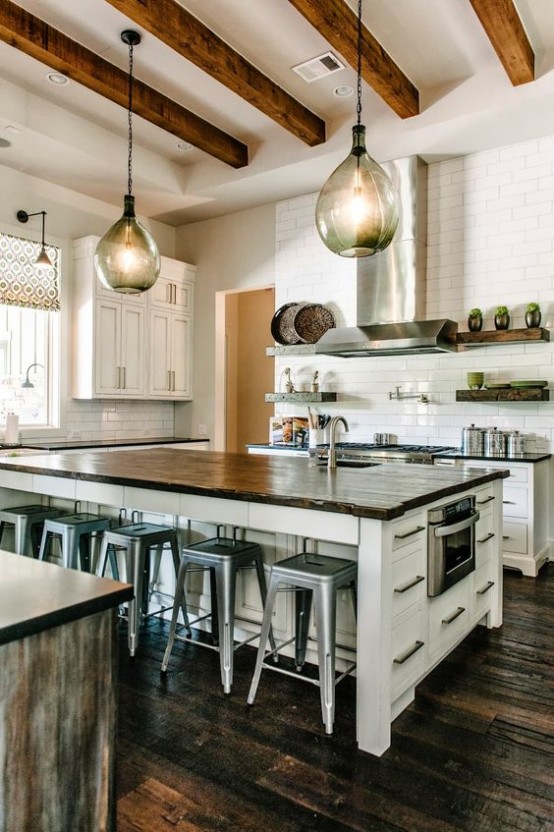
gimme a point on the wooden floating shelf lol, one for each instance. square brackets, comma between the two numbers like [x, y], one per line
[291, 349]
[507, 394]
[502, 336]
[301, 397]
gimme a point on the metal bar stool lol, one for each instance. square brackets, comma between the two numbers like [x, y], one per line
[77, 534]
[137, 540]
[27, 522]
[223, 556]
[309, 576]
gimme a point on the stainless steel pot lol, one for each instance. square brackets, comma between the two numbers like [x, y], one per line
[384, 438]
[495, 442]
[473, 441]
[515, 443]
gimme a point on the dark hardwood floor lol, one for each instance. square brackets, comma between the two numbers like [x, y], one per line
[474, 752]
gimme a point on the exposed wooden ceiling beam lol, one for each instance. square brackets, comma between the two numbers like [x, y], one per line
[505, 31]
[338, 24]
[36, 38]
[185, 34]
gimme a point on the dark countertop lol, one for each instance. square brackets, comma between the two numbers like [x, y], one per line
[68, 444]
[457, 454]
[381, 492]
[35, 596]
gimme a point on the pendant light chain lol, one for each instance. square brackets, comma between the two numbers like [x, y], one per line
[130, 120]
[359, 87]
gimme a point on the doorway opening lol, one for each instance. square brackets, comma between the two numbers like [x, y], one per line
[243, 371]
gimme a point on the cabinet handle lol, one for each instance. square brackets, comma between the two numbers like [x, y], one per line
[172, 380]
[509, 503]
[505, 537]
[405, 587]
[409, 534]
[168, 292]
[118, 384]
[488, 537]
[123, 374]
[486, 500]
[483, 590]
[403, 657]
[174, 287]
[453, 616]
[169, 380]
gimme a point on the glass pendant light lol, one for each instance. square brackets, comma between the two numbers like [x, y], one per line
[357, 209]
[127, 259]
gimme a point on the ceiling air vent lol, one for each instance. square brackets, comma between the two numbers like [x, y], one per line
[319, 67]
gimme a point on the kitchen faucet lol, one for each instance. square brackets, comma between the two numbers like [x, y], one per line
[332, 460]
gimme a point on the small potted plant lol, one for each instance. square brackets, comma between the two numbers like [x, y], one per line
[475, 320]
[502, 317]
[532, 315]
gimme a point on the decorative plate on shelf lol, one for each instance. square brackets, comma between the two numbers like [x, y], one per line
[497, 385]
[528, 383]
[312, 321]
[282, 324]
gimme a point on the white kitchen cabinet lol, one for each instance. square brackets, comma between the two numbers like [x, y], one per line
[131, 346]
[173, 289]
[170, 351]
[525, 513]
[119, 340]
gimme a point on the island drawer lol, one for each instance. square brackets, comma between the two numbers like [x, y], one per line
[483, 591]
[409, 531]
[408, 651]
[449, 618]
[408, 580]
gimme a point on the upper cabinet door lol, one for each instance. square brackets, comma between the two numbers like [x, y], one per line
[107, 347]
[133, 335]
[181, 365]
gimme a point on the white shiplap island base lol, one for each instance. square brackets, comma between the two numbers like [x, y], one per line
[379, 515]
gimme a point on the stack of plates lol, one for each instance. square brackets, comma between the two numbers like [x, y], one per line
[528, 383]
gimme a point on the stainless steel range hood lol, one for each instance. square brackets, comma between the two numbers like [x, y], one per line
[391, 285]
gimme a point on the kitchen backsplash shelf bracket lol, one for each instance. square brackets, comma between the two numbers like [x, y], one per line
[301, 397]
[502, 336]
[527, 394]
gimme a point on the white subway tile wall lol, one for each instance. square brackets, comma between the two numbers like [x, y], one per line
[119, 419]
[490, 243]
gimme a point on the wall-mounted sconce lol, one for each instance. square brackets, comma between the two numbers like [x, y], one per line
[42, 259]
[28, 382]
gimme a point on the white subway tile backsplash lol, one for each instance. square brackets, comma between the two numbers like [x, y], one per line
[490, 241]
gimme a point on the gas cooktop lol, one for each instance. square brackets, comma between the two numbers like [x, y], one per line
[386, 453]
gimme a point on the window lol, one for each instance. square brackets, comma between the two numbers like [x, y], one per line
[29, 333]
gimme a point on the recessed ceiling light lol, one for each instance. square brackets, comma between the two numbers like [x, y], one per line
[57, 79]
[5, 143]
[184, 146]
[343, 92]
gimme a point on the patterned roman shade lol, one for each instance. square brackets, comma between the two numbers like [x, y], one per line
[22, 283]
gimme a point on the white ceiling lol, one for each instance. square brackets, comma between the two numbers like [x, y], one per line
[74, 138]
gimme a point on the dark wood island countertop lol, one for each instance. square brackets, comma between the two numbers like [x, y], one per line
[36, 596]
[382, 492]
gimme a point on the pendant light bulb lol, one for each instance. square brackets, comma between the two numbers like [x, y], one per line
[127, 259]
[357, 208]
[356, 212]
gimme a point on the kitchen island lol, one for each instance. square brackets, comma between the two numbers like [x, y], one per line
[57, 697]
[378, 513]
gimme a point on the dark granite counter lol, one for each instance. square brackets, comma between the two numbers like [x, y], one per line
[457, 454]
[69, 444]
[381, 492]
[35, 596]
